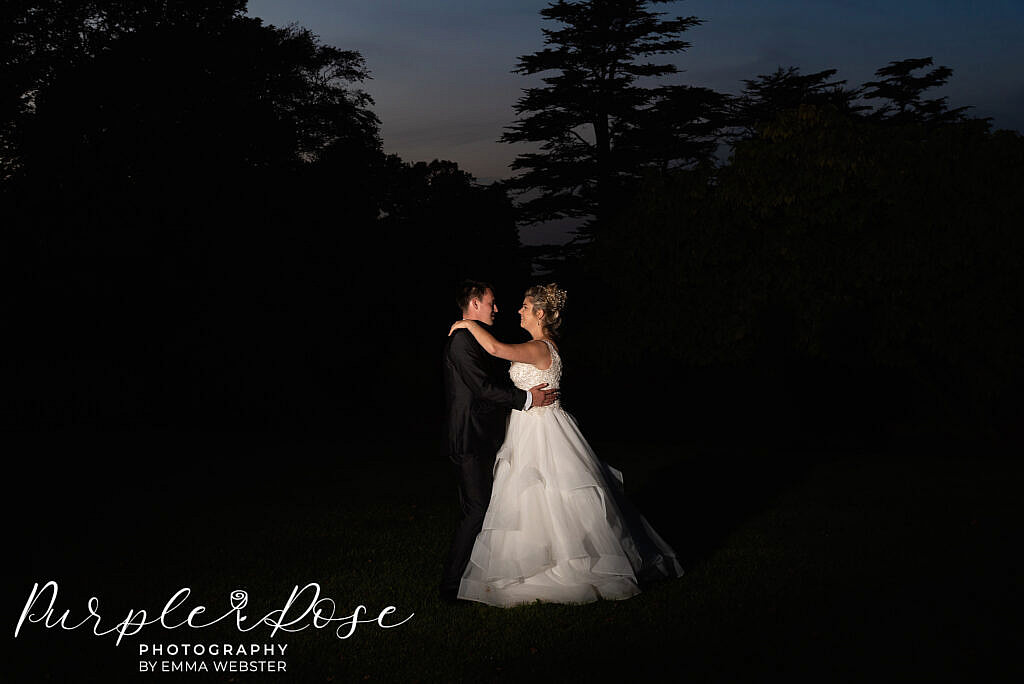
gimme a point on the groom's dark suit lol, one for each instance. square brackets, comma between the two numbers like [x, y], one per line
[479, 396]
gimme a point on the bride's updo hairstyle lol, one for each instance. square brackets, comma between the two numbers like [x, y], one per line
[551, 300]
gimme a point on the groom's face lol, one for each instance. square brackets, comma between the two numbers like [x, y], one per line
[483, 309]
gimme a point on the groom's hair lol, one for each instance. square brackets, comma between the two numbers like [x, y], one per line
[469, 290]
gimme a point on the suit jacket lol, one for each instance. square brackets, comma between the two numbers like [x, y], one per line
[479, 396]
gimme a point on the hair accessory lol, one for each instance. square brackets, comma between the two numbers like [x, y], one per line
[555, 296]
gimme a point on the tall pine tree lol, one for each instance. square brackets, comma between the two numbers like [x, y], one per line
[593, 117]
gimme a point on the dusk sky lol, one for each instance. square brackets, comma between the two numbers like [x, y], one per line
[443, 85]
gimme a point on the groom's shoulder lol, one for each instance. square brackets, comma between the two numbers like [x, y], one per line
[461, 341]
[460, 338]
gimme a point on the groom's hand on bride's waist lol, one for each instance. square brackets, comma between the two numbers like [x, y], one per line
[543, 397]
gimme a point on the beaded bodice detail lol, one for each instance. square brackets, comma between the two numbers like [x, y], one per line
[526, 375]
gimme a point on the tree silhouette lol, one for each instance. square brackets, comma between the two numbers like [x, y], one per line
[682, 128]
[595, 123]
[765, 97]
[439, 211]
[184, 182]
[857, 273]
[903, 92]
[41, 40]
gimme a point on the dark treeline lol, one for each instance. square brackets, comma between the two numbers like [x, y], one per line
[201, 230]
[849, 276]
[842, 278]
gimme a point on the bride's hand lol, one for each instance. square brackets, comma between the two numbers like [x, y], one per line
[457, 325]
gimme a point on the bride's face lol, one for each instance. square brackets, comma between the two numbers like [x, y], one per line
[526, 314]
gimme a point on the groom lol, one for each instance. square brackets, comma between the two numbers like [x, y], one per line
[479, 396]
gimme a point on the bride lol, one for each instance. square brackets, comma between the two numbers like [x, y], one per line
[558, 527]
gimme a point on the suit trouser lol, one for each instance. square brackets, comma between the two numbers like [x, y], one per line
[475, 477]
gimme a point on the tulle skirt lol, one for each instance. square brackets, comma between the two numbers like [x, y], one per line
[558, 527]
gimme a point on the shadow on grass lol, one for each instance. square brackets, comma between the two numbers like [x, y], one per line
[696, 497]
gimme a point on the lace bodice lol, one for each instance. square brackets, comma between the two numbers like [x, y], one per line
[526, 375]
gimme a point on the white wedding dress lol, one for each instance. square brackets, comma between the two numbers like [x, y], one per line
[558, 527]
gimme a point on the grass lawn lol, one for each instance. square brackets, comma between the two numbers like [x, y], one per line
[826, 567]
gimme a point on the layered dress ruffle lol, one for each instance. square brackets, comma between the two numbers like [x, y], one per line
[558, 527]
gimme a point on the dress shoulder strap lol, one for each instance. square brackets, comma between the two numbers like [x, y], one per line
[551, 347]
